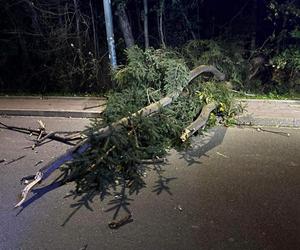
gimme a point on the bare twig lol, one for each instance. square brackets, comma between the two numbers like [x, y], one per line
[38, 162]
[42, 135]
[21, 129]
[94, 106]
[152, 161]
[241, 93]
[14, 160]
[259, 129]
[115, 224]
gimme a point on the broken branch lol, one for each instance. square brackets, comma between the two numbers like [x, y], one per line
[84, 145]
[199, 122]
[21, 129]
[42, 135]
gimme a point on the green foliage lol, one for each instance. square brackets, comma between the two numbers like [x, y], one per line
[286, 67]
[146, 78]
[227, 57]
[203, 52]
[186, 107]
[289, 59]
[285, 18]
[279, 10]
[295, 33]
[123, 103]
[117, 160]
[76, 70]
[220, 94]
[212, 120]
[280, 74]
[216, 92]
[156, 69]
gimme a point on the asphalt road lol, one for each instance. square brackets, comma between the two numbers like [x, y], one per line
[235, 189]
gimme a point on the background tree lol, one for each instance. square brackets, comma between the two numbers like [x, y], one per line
[60, 45]
[145, 16]
[125, 24]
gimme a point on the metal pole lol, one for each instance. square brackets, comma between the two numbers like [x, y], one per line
[110, 33]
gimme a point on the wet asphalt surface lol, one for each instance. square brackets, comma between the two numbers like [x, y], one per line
[234, 189]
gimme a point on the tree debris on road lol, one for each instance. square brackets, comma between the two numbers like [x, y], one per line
[102, 133]
[67, 137]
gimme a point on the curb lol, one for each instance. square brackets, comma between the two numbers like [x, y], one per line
[51, 106]
[53, 97]
[259, 112]
[51, 113]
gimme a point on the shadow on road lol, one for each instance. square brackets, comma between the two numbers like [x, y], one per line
[40, 192]
[121, 199]
[202, 144]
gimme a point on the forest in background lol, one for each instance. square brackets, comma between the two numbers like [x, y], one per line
[60, 46]
[179, 63]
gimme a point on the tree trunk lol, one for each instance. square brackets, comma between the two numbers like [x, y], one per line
[282, 35]
[199, 122]
[77, 25]
[96, 46]
[34, 19]
[160, 23]
[146, 32]
[198, 20]
[60, 17]
[125, 25]
[188, 23]
[253, 34]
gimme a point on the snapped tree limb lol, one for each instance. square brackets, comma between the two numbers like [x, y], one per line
[84, 145]
[43, 135]
[199, 122]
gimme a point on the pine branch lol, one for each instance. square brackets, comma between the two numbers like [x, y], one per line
[84, 145]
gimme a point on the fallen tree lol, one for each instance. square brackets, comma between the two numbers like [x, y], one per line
[114, 127]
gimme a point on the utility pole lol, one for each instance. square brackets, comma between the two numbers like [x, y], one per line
[110, 33]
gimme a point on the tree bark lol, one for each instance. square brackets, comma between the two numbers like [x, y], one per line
[125, 25]
[95, 38]
[34, 19]
[253, 34]
[146, 32]
[209, 69]
[160, 23]
[199, 122]
[77, 17]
